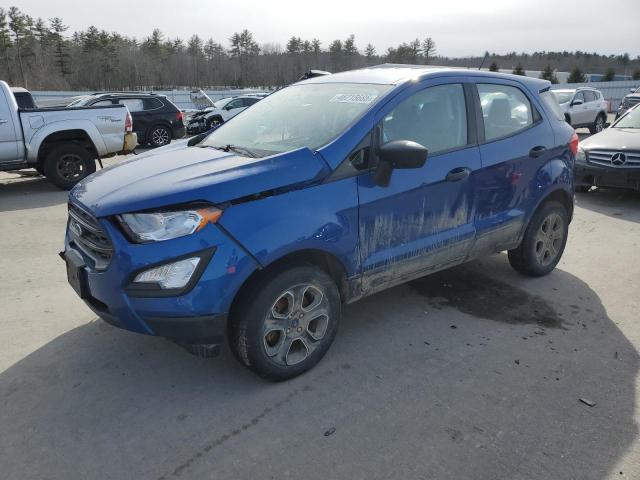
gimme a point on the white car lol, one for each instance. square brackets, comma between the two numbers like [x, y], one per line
[222, 111]
[583, 107]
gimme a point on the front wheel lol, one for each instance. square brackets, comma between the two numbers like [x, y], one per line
[67, 164]
[285, 322]
[544, 241]
[159, 136]
[598, 125]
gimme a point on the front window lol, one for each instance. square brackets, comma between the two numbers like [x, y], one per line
[630, 120]
[435, 117]
[307, 115]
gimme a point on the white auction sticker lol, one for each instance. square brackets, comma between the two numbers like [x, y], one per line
[353, 98]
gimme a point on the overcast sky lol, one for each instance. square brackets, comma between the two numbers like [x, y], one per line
[460, 28]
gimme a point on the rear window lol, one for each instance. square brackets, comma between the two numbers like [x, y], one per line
[152, 103]
[550, 101]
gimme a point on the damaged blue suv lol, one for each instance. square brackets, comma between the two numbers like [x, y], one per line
[322, 193]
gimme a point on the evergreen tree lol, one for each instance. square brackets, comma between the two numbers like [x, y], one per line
[494, 67]
[549, 74]
[609, 75]
[518, 70]
[576, 76]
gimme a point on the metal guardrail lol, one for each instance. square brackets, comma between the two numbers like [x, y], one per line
[181, 98]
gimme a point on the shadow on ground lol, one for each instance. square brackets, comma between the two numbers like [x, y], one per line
[624, 204]
[440, 378]
[22, 192]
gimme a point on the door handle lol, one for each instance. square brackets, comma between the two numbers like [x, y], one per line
[535, 152]
[457, 174]
[3, 120]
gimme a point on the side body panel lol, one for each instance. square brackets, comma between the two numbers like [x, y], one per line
[103, 125]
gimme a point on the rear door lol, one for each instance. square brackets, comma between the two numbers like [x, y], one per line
[592, 105]
[423, 219]
[515, 141]
[233, 108]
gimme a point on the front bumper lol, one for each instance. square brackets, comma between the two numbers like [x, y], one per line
[586, 174]
[195, 316]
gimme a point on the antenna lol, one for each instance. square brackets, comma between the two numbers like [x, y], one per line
[486, 54]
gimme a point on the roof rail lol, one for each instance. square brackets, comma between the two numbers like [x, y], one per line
[123, 91]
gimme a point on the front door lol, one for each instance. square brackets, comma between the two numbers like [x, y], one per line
[8, 136]
[423, 220]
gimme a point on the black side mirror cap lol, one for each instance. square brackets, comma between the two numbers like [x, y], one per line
[403, 154]
[398, 154]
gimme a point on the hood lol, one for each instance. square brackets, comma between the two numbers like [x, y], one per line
[618, 139]
[174, 175]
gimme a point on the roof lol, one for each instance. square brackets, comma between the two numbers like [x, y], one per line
[395, 74]
[19, 90]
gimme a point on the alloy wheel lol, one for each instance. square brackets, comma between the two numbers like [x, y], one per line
[549, 239]
[160, 136]
[295, 325]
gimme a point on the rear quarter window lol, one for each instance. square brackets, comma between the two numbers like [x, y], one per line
[551, 104]
[152, 103]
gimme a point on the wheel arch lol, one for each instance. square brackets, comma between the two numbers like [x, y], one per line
[322, 259]
[78, 136]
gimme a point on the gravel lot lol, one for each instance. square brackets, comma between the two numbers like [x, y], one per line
[472, 373]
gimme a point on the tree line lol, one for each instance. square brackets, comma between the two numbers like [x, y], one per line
[42, 54]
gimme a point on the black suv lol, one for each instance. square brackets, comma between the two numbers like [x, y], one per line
[156, 120]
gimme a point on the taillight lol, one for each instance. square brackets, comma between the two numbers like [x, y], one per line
[180, 116]
[573, 143]
[128, 122]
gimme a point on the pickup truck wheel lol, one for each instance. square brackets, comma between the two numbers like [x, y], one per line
[286, 322]
[544, 241]
[159, 136]
[67, 164]
[598, 125]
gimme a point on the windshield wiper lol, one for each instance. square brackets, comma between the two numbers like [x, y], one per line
[234, 148]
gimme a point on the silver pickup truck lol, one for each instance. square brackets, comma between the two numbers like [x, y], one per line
[61, 143]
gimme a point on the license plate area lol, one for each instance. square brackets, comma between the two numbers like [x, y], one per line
[76, 273]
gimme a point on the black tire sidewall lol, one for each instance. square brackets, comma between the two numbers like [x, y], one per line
[528, 242]
[247, 321]
[51, 162]
[153, 129]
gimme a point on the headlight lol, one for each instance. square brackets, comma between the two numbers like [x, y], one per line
[581, 156]
[165, 225]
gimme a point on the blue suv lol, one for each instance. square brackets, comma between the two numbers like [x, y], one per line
[326, 191]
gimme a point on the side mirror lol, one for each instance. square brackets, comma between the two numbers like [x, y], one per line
[607, 124]
[398, 154]
[577, 102]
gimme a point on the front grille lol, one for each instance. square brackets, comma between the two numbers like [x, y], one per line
[88, 236]
[614, 158]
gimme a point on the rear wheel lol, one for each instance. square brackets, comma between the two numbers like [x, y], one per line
[159, 136]
[544, 241]
[598, 125]
[285, 322]
[67, 164]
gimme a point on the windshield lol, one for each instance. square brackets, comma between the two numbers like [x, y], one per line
[563, 97]
[307, 115]
[221, 103]
[630, 120]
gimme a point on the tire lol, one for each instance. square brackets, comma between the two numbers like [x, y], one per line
[544, 241]
[67, 164]
[598, 125]
[159, 136]
[583, 188]
[269, 333]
